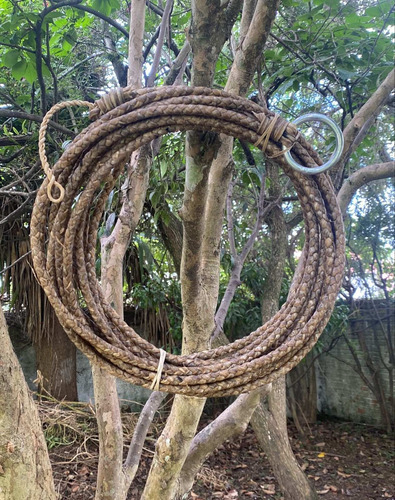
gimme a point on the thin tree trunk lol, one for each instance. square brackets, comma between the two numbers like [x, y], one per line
[113, 480]
[270, 422]
[25, 470]
[232, 422]
[211, 25]
[57, 362]
[270, 426]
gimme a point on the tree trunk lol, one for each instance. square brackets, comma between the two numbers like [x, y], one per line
[202, 224]
[270, 422]
[270, 426]
[25, 470]
[57, 363]
[232, 422]
[110, 477]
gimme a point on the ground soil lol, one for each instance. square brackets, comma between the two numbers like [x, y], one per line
[342, 460]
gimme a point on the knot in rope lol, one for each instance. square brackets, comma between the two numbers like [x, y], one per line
[115, 97]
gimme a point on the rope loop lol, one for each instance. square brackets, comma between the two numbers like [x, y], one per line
[41, 147]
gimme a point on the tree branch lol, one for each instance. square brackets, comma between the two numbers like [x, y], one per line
[247, 14]
[8, 159]
[239, 259]
[79, 63]
[232, 422]
[108, 20]
[155, 8]
[229, 217]
[140, 432]
[357, 129]
[150, 44]
[178, 64]
[251, 47]
[18, 211]
[120, 70]
[372, 105]
[14, 140]
[159, 45]
[7, 113]
[360, 178]
[136, 40]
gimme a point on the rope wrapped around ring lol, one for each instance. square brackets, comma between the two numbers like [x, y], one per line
[64, 235]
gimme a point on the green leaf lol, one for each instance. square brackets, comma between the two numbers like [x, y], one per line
[66, 46]
[31, 73]
[373, 12]
[11, 57]
[165, 217]
[70, 37]
[102, 6]
[163, 168]
[288, 71]
[334, 4]
[19, 69]
[154, 198]
[114, 4]
[353, 20]
[46, 71]
[345, 74]
[32, 17]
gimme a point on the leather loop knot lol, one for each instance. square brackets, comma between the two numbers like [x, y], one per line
[109, 101]
[273, 127]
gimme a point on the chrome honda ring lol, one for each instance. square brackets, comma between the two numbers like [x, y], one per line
[335, 155]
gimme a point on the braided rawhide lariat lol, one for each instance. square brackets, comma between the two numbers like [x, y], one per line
[64, 235]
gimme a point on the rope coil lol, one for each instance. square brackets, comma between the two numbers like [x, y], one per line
[63, 239]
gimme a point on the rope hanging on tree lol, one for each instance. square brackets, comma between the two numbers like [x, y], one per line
[64, 236]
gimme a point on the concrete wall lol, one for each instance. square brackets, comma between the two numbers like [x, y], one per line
[341, 391]
[130, 395]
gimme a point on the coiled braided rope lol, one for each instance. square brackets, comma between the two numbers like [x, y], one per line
[64, 235]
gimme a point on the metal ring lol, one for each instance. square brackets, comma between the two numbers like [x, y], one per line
[335, 155]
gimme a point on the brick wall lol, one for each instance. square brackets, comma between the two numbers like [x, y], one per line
[341, 391]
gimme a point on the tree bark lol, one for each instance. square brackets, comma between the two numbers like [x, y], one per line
[57, 362]
[270, 426]
[232, 422]
[23, 451]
